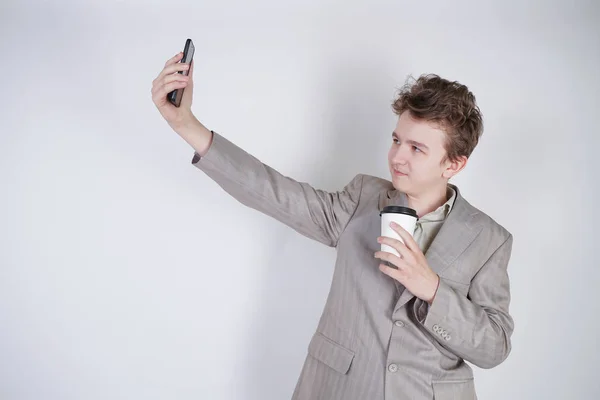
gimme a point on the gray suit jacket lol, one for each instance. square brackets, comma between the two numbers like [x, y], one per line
[375, 340]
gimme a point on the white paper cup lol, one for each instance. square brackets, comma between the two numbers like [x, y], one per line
[404, 216]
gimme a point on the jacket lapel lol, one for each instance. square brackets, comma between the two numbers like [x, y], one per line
[456, 234]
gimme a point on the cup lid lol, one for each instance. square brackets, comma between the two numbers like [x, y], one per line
[399, 210]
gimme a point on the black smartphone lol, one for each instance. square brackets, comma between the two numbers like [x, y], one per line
[188, 55]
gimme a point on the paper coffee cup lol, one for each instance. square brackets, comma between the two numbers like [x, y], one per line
[404, 216]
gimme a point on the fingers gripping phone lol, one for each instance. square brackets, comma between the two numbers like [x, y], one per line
[188, 55]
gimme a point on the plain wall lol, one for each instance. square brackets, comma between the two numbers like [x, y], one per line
[126, 273]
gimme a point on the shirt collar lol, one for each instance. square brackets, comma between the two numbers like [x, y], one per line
[442, 211]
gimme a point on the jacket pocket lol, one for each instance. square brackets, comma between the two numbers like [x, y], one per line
[454, 390]
[330, 353]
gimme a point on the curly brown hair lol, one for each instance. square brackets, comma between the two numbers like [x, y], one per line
[448, 104]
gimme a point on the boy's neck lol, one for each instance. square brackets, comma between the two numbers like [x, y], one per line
[425, 203]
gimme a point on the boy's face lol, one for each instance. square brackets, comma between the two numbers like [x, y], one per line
[417, 151]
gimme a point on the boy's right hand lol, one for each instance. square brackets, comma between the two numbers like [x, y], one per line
[169, 79]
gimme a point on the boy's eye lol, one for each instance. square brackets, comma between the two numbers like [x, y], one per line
[414, 147]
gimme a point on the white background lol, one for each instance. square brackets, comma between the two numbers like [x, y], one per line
[126, 273]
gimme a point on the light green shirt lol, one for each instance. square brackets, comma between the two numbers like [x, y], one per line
[429, 224]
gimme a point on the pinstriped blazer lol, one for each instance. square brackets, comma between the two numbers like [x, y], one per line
[375, 340]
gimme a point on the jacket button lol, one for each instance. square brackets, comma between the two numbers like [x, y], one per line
[393, 368]
[399, 323]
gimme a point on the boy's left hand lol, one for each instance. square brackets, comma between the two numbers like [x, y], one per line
[413, 270]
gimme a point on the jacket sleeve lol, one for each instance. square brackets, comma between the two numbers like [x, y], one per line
[314, 213]
[476, 327]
